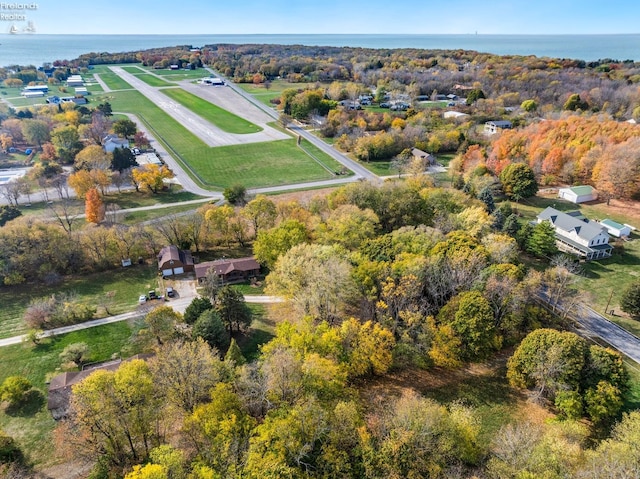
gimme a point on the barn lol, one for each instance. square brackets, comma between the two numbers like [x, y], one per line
[172, 261]
[578, 194]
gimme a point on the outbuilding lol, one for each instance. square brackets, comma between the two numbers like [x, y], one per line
[616, 229]
[578, 194]
[172, 261]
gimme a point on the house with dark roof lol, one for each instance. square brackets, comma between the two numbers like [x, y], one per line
[172, 261]
[230, 270]
[428, 158]
[579, 236]
[60, 387]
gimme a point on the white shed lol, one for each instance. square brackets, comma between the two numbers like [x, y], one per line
[578, 194]
[616, 229]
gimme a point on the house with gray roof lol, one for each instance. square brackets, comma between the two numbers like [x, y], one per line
[582, 237]
[496, 126]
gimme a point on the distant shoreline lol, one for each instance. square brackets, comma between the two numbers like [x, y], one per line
[37, 48]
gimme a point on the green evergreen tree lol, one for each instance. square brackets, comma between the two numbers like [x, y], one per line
[486, 197]
[210, 327]
[234, 355]
[511, 225]
[196, 308]
[542, 242]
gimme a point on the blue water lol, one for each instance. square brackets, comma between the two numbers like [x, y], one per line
[36, 49]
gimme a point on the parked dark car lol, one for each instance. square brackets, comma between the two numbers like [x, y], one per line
[170, 292]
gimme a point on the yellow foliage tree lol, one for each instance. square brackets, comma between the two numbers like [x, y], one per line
[152, 176]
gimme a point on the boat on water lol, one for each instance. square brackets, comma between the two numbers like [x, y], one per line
[30, 28]
[13, 30]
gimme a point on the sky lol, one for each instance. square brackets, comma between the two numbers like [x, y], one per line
[325, 16]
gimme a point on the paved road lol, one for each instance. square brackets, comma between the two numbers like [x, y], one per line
[590, 323]
[594, 324]
[101, 82]
[179, 305]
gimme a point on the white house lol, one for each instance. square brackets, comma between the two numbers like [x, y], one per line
[581, 237]
[578, 194]
[75, 80]
[493, 127]
[111, 142]
[616, 229]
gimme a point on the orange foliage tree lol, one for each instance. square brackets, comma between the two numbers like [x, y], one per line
[93, 207]
[562, 150]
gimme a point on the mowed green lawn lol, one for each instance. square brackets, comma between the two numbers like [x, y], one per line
[128, 284]
[220, 117]
[114, 82]
[149, 79]
[32, 425]
[253, 165]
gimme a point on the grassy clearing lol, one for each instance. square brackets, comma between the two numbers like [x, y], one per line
[251, 289]
[135, 217]
[258, 164]
[114, 81]
[127, 283]
[133, 70]
[153, 80]
[32, 425]
[176, 75]
[262, 331]
[220, 117]
[275, 89]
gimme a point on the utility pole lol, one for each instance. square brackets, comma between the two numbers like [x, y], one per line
[606, 308]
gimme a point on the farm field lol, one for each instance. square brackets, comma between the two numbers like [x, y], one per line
[219, 117]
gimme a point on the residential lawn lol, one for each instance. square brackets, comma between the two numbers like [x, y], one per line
[223, 119]
[380, 168]
[262, 331]
[128, 284]
[430, 104]
[445, 158]
[32, 425]
[114, 81]
[251, 289]
[632, 399]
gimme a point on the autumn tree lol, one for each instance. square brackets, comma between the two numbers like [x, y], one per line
[161, 323]
[94, 208]
[518, 181]
[314, 278]
[117, 415]
[92, 157]
[152, 176]
[235, 194]
[66, 139]
[14, 389]
[271, 244]
[262, 213]
[124, 127]
[185, 372]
